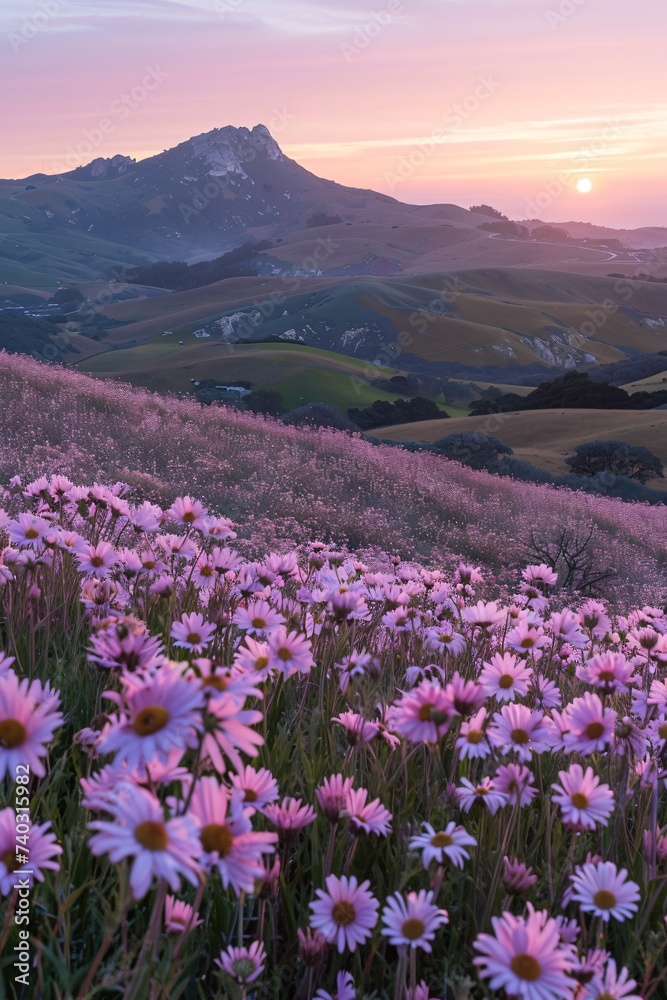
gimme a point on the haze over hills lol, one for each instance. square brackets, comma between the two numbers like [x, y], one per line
[343, 272]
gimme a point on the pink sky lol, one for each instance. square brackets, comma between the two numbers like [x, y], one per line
[502, 101]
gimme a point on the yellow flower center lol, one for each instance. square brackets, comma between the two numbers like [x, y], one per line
[216, 681]
[594, 730]
[261, 663]
[505, 681]
[520, 736]
[412, 929]
[474, 736]
[441, 840]
[579, 800]
[152, 835]
[526, 967]
[31, 533]
[217, 838]
[284, 654]
[8, 859]
[12, 733]
[604, 900]
[258, 623]
[150, 720]
[343, 913]
[250, 795]
[429, 713]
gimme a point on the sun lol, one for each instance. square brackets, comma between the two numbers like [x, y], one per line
[584, 185]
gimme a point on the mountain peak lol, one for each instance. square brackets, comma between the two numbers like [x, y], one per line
[225, 150]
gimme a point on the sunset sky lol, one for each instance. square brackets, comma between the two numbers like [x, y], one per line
[503, 101]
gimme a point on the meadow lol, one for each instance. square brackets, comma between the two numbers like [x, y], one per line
[307, 775]
[287, 714]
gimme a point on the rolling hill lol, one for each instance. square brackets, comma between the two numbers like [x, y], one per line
[546, 437]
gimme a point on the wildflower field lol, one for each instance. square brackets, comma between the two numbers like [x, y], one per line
[287, 714]
[302, 775]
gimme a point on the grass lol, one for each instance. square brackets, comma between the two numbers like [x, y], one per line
[546, 437]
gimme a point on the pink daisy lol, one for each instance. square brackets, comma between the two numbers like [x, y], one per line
[332, 796]
[412, 920]
[345, 989]
[583, 801]
[516, 782]
[608, 672]
[228, 841]
[345, 913]
[444, 845]
[258, 617]
[97, 560]
[423, 715]
[228, 733]
[590, 727]
[158, 713]
[483, 794]
[371, 817]
[245, 965]
[472, 741]
[505, 676]
[41, 846]
[484, 616]
[525, 958]
[603, 890]
[179, 916]
[257, 788]
[517, 877]
[26, 725]
[290, 816]
[161, 849]
[517, 729]
[253, 657]
[192, 633]
[358, 729]
[188, 512]
[611, 984]
[290, 653]
[29, 531]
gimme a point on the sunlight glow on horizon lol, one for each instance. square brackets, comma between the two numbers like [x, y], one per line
[438, 102]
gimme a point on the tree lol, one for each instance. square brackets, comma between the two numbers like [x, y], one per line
[318, 219]
[266, 401]
[571, 552]
[478, 451]
[382, 412]
[488, 210]
[552, 234]
[618, 458]
[68, 296]
[506, 228]
[319, 415]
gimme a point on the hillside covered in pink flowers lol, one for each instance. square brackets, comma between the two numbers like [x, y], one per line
[285, 485]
